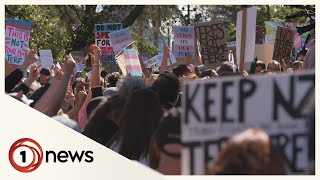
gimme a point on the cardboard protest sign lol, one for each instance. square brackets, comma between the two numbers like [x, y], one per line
[183, 41]
[103, 41]
[46, 58]
[121, 62]
[78, 56]
[263, 52]
[249, 40]
[283, 44]
[16, 40]
[212, 38]
[80, 67]
[120, 39]
[214, 110]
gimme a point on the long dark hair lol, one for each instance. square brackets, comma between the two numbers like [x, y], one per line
[100, 127]
[141, 117]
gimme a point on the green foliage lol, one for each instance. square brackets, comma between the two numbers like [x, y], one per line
[143, 46]
[47, 31]
[62, 28]
[229, 15]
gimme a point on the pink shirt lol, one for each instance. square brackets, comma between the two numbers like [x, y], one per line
[82, 114]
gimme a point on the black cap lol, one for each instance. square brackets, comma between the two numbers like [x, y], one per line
[169, 131]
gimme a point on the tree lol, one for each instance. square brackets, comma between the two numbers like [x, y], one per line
[47, 30]
[229, 15]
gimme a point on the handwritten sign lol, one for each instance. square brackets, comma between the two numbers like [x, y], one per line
[133, 65]
[283, 44]
[120, 39]
[46, 58]
[214, 110]
[103, 41]
[183, 41]
[212, 38]
[16, 40]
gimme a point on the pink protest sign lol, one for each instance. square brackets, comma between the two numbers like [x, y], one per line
[183, 41]
[120, 39]
[16, 40]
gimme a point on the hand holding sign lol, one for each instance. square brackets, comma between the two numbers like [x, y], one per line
[166, 55]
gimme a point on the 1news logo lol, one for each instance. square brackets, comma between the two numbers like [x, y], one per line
[26, 155]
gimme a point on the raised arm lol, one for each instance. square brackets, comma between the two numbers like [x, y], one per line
[95, 76]
[52, 100]
[164, 63]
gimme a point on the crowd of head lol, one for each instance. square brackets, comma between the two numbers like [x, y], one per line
[139, 117]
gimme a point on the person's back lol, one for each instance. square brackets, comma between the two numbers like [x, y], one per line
[141, 117]
[309, 59]
[167, 86]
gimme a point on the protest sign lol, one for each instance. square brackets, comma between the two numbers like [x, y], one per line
[159, 58]
[16, 40]
[283, 44]
[214, 110]
[103, 41]
[263, 52]
[246, 35]
[120, 59]
[212, 38]
[184, 41]
[121, 62]
[80, 67]
[88, 74]
[120, 39]
[78, 56]
[150, 63]
[271, 31]
[132, 61]
[46, 58]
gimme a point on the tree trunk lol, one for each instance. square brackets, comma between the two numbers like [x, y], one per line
[134, 14]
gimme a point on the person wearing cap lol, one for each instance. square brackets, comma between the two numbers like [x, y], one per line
[44, 76]
[167, 142]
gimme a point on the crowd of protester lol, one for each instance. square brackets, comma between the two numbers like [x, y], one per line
[139, 117]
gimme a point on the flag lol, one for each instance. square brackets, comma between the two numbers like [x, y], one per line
[297, 41]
